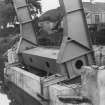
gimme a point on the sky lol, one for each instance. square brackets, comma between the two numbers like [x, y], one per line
[49, 4]
[95, 0]
[52, 4]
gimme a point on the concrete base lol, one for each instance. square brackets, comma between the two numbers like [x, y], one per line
[21, 96]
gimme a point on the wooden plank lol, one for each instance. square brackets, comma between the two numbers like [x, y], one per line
[54, 79]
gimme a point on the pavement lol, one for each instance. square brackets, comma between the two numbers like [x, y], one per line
[3, 98]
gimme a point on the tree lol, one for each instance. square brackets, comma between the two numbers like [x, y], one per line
[7, 11]
[8, 14]
[36, 4]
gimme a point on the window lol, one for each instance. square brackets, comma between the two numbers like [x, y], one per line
[97, 19]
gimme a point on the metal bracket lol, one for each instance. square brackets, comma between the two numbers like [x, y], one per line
[24, 6]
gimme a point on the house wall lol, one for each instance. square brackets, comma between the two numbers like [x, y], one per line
[95, 18]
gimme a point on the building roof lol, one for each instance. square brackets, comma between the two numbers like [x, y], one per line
[95, 7]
